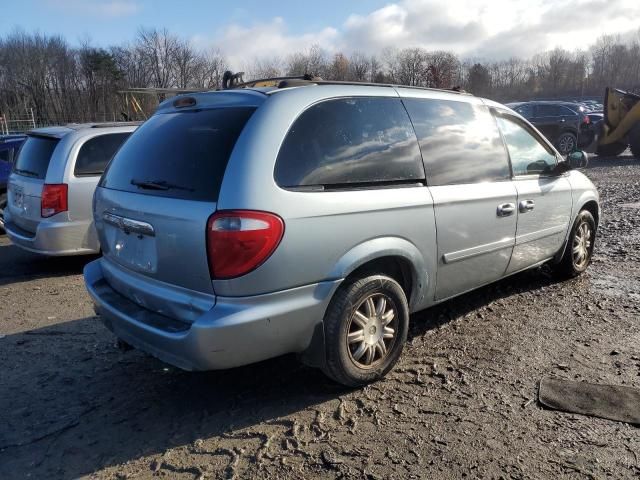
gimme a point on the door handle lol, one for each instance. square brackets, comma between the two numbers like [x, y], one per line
[506, 209]
[526, 206]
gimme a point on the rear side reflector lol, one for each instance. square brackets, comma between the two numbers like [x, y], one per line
[239, 241]
[54, 199]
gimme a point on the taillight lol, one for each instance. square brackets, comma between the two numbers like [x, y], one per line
[54, 199]
[239, 241]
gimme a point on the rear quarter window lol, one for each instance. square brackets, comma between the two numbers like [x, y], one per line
[460, 142]
[178, 154]
[350, 142]
[95, 154]
[34, 156]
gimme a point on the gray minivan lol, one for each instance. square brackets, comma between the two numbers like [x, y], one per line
[50, 189]
[244, 224]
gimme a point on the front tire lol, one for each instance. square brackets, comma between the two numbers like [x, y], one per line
[365, 328]
[579, 248]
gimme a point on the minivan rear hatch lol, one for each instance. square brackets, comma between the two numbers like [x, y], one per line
[27, 179]
[157, 194]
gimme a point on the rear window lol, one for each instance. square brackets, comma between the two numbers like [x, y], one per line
[179, 155]
[34, 157]
[95, 154]
[350, 142]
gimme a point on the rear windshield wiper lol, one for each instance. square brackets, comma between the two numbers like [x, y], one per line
[158, 185]
[28, 173]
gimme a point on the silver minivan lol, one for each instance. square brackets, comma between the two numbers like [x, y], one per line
[248, 223]
[51, 186]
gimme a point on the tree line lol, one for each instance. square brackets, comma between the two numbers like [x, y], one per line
[60, 83]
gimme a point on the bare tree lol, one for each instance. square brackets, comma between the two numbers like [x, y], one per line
[359, 67]
[339, 69]
[264, 68]
[62, 83]
[158, 50]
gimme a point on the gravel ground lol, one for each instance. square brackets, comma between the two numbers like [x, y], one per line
[461, 403]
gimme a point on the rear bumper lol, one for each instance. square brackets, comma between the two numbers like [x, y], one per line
[55, 238]
[236, 331]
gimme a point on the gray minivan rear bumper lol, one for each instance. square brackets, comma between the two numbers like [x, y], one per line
[236, 331]
[54, 238]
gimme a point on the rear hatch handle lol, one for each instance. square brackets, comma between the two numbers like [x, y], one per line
[128, 225]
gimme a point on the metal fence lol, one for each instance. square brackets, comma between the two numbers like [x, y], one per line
[17, 123]
[21, 123]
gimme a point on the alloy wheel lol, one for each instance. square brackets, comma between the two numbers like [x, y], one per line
[566, 144]
[582, 245]
[372, 331]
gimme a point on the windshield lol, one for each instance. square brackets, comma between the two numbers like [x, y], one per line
[179, 154]
[34, 156]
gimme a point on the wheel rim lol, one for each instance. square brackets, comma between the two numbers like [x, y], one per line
[566, 143]
[2, 206]
[582, 245]
[372, 331]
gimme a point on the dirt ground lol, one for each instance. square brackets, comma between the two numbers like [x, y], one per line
[461, 403]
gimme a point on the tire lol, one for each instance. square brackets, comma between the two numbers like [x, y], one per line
[3, 205]
[357, 320]
[566, 143]
[611, 149]
[574, 263]
[634, 140]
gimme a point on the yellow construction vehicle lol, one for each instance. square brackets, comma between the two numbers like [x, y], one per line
[621, 126]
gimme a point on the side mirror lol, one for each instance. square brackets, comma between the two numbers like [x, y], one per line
[577, 159]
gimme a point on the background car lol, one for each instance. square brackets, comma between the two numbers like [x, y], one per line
[562, 123]
[9, 146]
[51, 187]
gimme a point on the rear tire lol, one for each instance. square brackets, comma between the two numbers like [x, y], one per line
[365, 328]
[579, 247]
[634, 140]
[611, 149]
[567, 142]
[3, 205]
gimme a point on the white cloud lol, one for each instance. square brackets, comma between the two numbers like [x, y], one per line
[270, 39]
[109, 8]
[475, 28]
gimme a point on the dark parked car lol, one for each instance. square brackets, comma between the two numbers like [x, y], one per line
[9, 145]
[562, 123]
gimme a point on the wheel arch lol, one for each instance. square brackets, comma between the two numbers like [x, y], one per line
[589, 202]
[394, 256]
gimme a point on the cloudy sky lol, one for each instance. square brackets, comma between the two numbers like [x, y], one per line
[243, 30]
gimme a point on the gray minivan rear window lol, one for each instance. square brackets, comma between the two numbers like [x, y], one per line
[95, 153]
[178, 154]
[350, 142]
[34, 156]
[460, 142]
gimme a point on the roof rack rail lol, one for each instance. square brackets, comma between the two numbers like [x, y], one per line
[116, 124]
[395, 85]
[310, 79]
[266, 82]
[230, 79]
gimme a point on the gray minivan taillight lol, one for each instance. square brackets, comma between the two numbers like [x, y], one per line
[178, 154]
